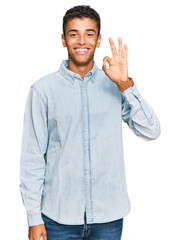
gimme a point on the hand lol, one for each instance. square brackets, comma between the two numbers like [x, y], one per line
[35, 232]
[118, 67]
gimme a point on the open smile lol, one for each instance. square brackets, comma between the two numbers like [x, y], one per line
[81, 51]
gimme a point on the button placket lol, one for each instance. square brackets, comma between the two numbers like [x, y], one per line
[87, 165]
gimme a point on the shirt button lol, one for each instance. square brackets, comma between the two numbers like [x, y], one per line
[87, 150]
[85, 108]
[87, 172]
[86, 129]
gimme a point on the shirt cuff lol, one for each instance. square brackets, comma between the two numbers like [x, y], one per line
[34, 219]
[131, 93]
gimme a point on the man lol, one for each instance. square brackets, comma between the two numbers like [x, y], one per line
[72, 138]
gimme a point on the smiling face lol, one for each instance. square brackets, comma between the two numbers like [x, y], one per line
[81, 40]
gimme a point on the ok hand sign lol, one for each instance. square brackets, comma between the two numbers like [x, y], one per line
[118, 67]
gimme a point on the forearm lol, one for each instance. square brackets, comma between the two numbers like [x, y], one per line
[139, 115]
[32, 163]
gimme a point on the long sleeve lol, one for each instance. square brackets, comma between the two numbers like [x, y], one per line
[33, 148]
[139, 115]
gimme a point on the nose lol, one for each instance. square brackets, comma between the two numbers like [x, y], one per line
[81, 39]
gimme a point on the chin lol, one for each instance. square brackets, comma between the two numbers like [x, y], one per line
[81, 60]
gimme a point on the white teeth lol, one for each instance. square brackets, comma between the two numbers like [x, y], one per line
[81, 50]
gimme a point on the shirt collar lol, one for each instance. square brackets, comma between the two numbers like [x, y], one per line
[72, 75]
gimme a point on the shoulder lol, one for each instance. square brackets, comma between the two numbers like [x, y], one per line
[42, 86]
[44, 81]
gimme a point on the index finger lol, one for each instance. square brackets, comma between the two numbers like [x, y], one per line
[113, 48]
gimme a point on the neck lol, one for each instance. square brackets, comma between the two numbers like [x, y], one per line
[82, 70]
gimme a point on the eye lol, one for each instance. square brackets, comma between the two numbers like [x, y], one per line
[73, 34]
[89, 34]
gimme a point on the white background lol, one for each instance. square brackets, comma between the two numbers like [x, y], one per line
[31, 48]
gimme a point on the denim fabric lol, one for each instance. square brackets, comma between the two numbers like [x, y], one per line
[96, 231]
[72, 150]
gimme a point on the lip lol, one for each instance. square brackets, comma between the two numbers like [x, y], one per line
[81, 53]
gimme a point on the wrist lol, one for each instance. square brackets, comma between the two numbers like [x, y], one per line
[125, 85]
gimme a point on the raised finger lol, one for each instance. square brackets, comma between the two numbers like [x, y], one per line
[113, 48]
[120, 47]
[125, 51]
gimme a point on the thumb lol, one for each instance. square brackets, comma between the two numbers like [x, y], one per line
[44, 235]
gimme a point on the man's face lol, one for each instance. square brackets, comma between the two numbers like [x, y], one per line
[81, 40]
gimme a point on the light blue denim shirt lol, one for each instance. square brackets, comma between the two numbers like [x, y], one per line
[72, 150]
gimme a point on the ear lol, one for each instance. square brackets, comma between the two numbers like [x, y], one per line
[63, 40]
[98, 41]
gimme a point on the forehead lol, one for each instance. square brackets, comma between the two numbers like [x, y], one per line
[81, 24]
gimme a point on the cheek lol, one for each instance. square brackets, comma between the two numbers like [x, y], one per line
[70, 43]
[70, 47]
[94, 43]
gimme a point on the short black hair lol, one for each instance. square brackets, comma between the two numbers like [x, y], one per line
[80, 12]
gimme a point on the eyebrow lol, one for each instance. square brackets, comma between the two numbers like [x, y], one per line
[75, 30]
